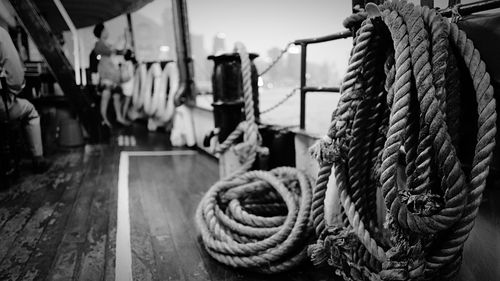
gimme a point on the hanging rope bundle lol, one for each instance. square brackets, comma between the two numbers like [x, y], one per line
[255, 220]
[152, 89]
[396, 132]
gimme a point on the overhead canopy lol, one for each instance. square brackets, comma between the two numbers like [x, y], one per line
[86, 12]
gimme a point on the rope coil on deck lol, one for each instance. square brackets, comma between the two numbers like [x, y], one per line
[396, 130]
[255, 220]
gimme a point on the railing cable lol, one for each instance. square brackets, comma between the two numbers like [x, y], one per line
[277, 59]
[282, 101]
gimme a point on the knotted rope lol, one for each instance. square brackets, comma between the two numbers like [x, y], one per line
[395, 130]
[255, 220]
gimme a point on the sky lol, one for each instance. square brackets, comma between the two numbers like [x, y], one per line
[259, 24]
[263, 24]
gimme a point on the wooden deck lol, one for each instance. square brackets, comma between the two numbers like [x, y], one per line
[62, 225]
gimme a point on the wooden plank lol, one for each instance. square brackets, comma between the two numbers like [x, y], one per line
[14, 198]
[110, 254]
[42, 203]
[191, 263]
[143, 260]
[67, 258]
[21, 249]
[12, 228]
[195, 175]
[92, 265]
[38, 266]
[20, 209]
[164, 251]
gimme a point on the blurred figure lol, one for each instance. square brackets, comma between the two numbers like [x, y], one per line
[127, 70]
[19, 108]
[109, 75]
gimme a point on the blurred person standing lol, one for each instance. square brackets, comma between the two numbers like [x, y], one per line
[109, 74]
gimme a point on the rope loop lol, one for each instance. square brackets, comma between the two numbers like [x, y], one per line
[239, 229]
[256, 220]
[395, 131]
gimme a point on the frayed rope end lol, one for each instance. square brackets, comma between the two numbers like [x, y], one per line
[324, 151]
[318, 253]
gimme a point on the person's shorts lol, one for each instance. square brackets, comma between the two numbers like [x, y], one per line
[109, 85]
[128, 87]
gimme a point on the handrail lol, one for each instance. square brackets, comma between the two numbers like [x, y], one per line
[322, 89]
[461, 9]
[339, 35]
[467, 9]
[304, 89]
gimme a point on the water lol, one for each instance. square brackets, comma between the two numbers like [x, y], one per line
[319, 108]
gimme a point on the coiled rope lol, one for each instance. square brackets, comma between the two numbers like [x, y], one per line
[396, 130]
[255, 220]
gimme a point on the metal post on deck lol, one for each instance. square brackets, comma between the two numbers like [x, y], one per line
[76, 41]
[131, 32]
[303, 69]
[187, 88]
[83, 71]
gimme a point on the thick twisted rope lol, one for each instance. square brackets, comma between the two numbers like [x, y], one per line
[396, 127]
[255, 220]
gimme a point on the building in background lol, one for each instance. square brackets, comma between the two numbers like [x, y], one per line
[219, 44]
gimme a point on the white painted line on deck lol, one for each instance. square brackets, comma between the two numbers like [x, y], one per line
[123, 262]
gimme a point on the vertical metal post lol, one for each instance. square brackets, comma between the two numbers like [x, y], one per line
[303, 68]
[84, 71]
[76, 41]
[187, 87]
[131, 32]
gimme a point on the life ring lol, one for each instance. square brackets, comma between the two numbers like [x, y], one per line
[140, 78]
[151, 81]
[170, 83]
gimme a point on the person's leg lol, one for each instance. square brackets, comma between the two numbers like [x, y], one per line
[26, 112]
[105, 97]
[126, 106]
[127, 90]
[118, 109]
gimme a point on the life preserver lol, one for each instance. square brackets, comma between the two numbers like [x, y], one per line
[146, 91]
[153, 93]
[140, 78]
[170, 83]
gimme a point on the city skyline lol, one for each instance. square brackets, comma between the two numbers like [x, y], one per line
[262, 24]
[209, 40]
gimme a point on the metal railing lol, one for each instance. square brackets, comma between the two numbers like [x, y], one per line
[460, 9]
[304, 89]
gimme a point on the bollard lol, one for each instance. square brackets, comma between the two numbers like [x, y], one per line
[228, 92]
